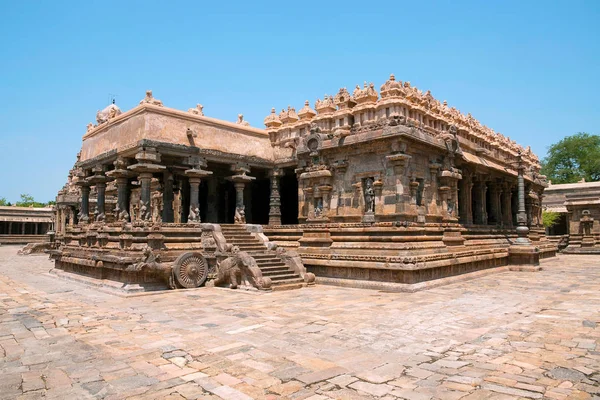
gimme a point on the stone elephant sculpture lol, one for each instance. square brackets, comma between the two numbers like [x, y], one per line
[238, 268]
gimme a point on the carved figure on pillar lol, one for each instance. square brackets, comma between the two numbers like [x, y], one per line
[194, 215]
[157, 206]
[275, 200]
[240, 215]
[177, 207]
[370, 196]
[145, 214]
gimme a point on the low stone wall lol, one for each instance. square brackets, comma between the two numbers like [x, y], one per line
[23, 239]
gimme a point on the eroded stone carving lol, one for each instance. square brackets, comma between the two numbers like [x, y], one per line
[240, 268]
[149, 99]
[240, 120]
[198, 110]
[106, 114]
[240, 215]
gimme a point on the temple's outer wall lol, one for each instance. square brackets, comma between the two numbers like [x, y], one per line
[579, 204]
[20, 225]
[176, 127]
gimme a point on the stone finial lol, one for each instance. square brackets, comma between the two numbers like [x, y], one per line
[240, 120]
[149, 99]
[367, 94]
[90, 126]
[391, 88]
[325, 106]
[272, 120]
[289, 116]
[306, 113]
[343, 99]
[198, 110]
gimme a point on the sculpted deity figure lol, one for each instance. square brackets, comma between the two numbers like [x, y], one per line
[145, 214]
[319, 207]
[157, 206]
[370, 196]
[450, 138]
[177, 207]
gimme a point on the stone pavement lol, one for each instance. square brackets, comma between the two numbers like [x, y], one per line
[504, 336]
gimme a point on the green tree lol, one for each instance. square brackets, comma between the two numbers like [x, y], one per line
[550, 218]
[27, 200]
[4, 202]
[573, 158]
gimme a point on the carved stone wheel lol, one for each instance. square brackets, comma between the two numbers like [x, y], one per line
[190, 270]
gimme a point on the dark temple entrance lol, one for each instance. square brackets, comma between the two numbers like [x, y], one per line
[288, 188]
[217, 196]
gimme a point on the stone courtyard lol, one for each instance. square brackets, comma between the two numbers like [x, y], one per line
[502, 336]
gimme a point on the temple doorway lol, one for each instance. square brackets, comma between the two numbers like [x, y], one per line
[288, 190]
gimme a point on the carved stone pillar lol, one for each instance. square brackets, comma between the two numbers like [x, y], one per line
[326, 195]
[167, 213]
[275, 199]
[434, 185]
[464, 208]
[148, 159]
[58, 213]
[240, 179]
[63, 219]
[398, 161]
[522, 229]
[85, 203]
[494, 214]
[121, 175]
[480, 212]
[308, 200]
[99, 179]
[507, 204]
[145, 179]
[195, 175]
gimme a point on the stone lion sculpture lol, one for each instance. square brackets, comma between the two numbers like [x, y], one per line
[239, 268]
[240, 215]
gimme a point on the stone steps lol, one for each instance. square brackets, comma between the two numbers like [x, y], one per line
[282, 278]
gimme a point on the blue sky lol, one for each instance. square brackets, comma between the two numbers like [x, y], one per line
[528, 69]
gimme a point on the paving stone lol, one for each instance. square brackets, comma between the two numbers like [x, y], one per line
[372, 389]
[228, 393]
[512, 391]
[322, 375]
[566, 374]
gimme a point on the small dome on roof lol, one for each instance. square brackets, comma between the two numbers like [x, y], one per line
[272, 120]
[306, 113]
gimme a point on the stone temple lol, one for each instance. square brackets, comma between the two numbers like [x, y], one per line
[388, 189]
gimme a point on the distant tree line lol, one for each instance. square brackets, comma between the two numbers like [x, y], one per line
[27, 200]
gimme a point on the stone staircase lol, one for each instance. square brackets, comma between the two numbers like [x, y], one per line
[282, 277]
